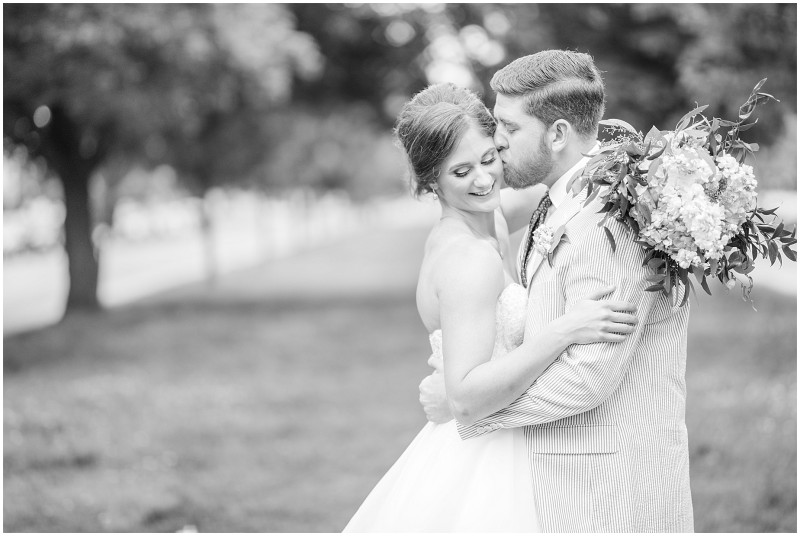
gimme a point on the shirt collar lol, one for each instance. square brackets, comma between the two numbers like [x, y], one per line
[558, 191]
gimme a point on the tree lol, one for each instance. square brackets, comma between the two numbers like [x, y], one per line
[89, 83]
[733, 47]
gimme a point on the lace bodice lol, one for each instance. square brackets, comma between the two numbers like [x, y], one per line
[510, 314]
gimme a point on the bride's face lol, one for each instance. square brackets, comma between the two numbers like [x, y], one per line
[472, 175]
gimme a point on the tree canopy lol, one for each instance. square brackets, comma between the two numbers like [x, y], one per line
[87, 83]
[262, 92]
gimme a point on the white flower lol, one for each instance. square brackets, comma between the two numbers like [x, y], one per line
[686, 258]
[543, 239]
[685, 167]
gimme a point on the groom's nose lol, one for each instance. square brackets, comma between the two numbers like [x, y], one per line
[500, 141]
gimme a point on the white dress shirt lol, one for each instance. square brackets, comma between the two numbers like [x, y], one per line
[558, 191]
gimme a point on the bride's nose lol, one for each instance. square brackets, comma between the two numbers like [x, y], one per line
[483, 178]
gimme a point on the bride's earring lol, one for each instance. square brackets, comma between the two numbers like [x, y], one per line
[435, 195]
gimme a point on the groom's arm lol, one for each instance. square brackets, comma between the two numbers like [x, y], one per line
[584, 376]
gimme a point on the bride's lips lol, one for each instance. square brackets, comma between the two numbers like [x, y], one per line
[485, 192]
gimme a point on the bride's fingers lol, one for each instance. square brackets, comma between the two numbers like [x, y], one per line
[624, 318]
[622, 328]
[613, 337]
[599, 293]
[621, 306]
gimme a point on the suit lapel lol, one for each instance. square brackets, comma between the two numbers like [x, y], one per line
[568, 209]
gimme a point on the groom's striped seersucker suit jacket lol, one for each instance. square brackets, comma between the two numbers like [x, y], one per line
[605, 423]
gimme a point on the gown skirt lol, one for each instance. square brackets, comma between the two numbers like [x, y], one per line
[442, 483]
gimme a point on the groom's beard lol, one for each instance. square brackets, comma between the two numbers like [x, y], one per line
[532, 171]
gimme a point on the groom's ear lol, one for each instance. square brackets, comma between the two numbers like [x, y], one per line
[560, 133]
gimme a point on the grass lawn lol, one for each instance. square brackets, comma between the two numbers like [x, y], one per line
[275, 402]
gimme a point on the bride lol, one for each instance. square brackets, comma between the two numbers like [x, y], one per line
[475, 311]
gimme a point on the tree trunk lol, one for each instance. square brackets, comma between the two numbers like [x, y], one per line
[74, 165]
[81, 254]
[209, 244]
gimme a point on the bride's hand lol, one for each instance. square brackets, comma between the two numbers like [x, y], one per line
[596, 320]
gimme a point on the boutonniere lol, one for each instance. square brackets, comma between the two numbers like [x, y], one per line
[546, 240]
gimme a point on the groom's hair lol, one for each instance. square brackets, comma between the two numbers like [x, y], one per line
[556, 84]
[432, 123]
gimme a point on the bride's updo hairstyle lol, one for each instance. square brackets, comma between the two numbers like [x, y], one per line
[432, 123]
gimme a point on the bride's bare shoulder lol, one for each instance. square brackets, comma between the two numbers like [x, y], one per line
[462, 260]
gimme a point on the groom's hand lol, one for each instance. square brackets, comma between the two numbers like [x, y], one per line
[433, 398]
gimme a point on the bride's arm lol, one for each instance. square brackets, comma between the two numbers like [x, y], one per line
[518, 205]
[470, 282]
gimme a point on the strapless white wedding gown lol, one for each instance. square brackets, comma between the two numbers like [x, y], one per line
[442, 483]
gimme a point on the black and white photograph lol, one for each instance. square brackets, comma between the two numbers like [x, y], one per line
[400, 267]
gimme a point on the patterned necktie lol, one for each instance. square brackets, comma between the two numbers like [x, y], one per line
[536, 219]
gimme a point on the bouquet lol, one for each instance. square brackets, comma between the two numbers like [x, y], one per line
[689, 199]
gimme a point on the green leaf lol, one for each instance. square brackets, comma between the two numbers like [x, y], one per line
[712, 142]
[655, 288]
[633, 225]
[624, 204]
[691, 287]
[644, 210]
[704, 284]
[684, 121]
[748, 126]
[657, 264]
[763, 98]
[684, 277]
[767, 212]
[630, 184]
[657, 154]
[653, 135]
[593, 193]
[759, 85]
[773, 252]
[790, 253]
[574, 178]
[778, 230]
[766, 230]
[656, 278]
[699, 273]
[610, 238]
[606, 208]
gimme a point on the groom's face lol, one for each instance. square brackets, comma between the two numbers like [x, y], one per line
[523, 144]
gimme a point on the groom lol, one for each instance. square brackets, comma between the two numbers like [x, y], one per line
[605, 423]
